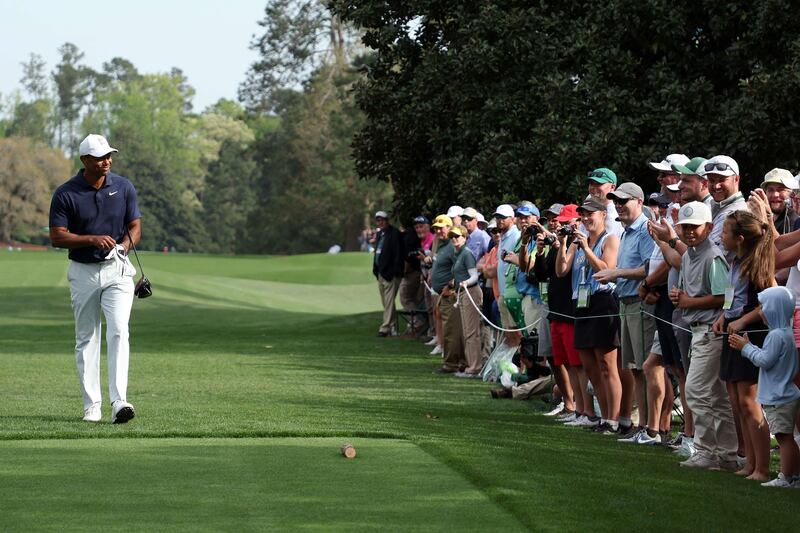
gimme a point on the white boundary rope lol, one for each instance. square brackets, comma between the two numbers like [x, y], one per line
[492, 324]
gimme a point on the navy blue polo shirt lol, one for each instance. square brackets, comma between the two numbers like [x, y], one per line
[84, 210]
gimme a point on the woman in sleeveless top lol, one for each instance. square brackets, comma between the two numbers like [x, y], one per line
[596, 339]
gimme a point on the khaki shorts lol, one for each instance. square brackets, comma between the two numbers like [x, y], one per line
[633, 347]
[781, 417]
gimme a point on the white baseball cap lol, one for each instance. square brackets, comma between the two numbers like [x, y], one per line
[719, 164]
[781, 177]
[455, 211]
[95, 146]
[674, 187]
[695, 213]
[382, 214]
[504, 210]
[666, 164]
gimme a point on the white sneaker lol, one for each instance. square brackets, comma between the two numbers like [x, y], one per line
[436, 350]
[643, 438]
[588, 422]
[431, 342]
[698, 461]
[569, 417]
[121, 412]
[633, 438]
[780, 482]
[579, 421]
[555, 411]
[686, 448]
[93, 413]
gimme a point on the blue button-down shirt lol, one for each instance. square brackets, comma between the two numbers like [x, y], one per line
[635, 248]
[478, 243]
[84, 210]
[507, 242]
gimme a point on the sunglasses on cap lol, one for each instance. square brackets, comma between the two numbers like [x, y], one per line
[717, 166]
[596, 174]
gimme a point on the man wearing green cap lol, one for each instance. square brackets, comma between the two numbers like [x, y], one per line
[602, 181]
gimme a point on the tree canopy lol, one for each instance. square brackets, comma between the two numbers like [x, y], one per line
[480, 102]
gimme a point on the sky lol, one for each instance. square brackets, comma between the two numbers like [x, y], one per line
[208, 40]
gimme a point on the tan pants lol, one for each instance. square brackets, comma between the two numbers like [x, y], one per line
[714, 429]
[471, 328]
[388, 292]
[452, 336]
[537, 386]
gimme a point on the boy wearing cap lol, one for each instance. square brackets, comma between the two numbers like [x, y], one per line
[700, 295]
[387, 267]
[96, 216]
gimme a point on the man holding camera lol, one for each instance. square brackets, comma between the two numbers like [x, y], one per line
[534, 310]
[96, 216]
[509, 237]
[412, 295]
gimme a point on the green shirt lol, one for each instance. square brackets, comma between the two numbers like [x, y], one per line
[464, 262]
[442, 269]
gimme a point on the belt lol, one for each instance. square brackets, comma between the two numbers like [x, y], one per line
[630, 299]
[699, 324]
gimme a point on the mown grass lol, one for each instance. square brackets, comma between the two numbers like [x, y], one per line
[269, 348]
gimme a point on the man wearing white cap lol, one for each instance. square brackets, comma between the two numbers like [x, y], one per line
[387, 267]
[478, 240]
[455, 212]
[509, 237]
[95, 215]
[722, 173]
[778, 184]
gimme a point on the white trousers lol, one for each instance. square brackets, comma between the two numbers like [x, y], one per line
[106, 287]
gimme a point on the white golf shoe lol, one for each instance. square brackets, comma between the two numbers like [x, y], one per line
[121, 412]
[93, 413]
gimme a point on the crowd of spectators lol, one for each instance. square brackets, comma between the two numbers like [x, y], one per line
[683, 300]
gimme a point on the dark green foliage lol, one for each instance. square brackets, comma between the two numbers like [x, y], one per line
[479, 102]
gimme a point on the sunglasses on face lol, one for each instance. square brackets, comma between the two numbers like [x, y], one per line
[465, 218]
[717, 166]
[621, 201]
[500, 217]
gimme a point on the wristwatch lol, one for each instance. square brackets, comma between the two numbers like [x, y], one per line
[672, 242]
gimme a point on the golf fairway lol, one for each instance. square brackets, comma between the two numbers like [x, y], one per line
[249, 373]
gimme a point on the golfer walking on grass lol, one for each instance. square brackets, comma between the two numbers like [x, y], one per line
[89, 215]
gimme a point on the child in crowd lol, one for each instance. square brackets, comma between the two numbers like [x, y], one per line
[700, 295]
[778, 364]
[752, 271]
